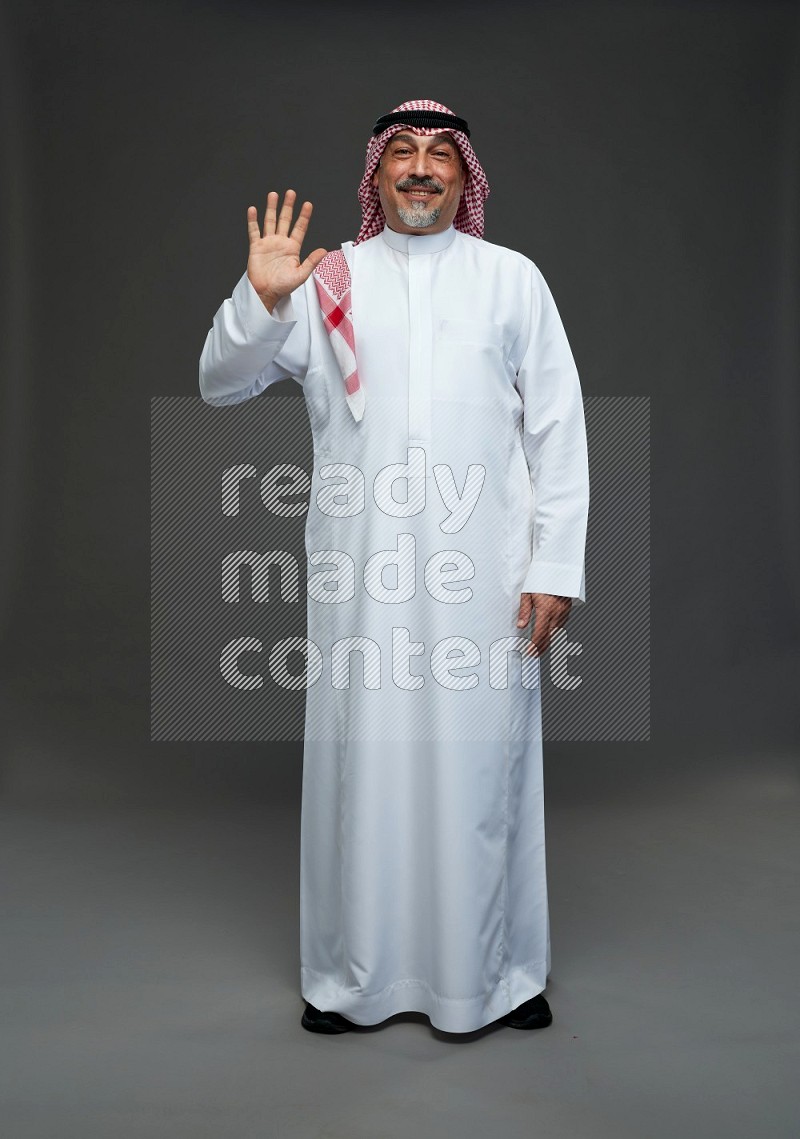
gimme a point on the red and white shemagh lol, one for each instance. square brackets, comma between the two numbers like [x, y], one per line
[332, 275]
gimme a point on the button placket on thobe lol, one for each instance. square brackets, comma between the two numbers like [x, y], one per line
[420, 377]
[421, 251]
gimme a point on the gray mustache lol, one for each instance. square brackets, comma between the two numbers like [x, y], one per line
[420, 184]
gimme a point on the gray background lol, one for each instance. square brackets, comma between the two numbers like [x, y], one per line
[646, 157]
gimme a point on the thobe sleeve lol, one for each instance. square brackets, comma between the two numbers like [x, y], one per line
[554, 440]
[247, 348]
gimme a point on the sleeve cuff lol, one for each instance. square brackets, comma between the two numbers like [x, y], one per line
[556, 579]
[258, 322]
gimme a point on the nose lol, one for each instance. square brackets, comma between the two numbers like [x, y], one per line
[421, 164]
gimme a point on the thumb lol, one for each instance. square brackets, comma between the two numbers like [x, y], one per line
[313, 259]
[525, 607]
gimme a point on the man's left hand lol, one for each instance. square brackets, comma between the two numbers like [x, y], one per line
[550, 613]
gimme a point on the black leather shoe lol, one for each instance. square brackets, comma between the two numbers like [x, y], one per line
[327, 1022]
[534, 1013]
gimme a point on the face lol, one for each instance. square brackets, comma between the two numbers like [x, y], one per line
[420, 179]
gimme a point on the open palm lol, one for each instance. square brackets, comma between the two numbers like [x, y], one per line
[274, 266]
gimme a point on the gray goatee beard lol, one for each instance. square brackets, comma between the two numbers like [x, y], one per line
[419, 216]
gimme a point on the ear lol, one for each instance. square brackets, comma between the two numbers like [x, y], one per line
[375, 175]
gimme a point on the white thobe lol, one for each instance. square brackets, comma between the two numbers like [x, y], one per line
[423, 880]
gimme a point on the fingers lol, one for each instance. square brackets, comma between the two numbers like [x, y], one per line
[524, 616]
[540, 635]
[551, 613]
[280, 223]
[269, 213]
[301, 225]
[253, 231]
[285, 216]
[525, 607]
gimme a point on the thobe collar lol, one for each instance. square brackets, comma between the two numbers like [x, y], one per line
[419, 242]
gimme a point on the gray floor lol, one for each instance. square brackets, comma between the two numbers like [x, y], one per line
[150, 977]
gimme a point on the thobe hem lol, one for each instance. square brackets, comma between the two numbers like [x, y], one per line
[448, 1014]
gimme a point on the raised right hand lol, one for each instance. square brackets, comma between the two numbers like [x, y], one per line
[274, 266]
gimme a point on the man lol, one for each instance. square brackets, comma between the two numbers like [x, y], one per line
[446, 411]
